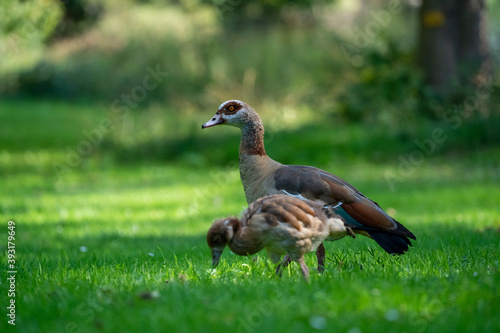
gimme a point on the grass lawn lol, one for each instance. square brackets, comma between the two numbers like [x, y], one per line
[115, 245]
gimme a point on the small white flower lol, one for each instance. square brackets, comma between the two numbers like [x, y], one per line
[354, 330]
[151, 254]
[83, 249]
[318, 322]
[392, 315]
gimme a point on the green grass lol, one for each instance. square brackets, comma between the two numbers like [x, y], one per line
[118, 242]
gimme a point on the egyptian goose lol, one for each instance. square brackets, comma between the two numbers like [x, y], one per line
[263, 176]
[282, 224]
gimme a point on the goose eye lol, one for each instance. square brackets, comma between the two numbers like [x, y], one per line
[231, 108]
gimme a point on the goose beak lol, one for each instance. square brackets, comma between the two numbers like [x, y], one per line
[216, 120]
[216, 253]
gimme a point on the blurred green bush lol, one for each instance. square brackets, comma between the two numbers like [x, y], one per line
[280, 58]
[204, 62]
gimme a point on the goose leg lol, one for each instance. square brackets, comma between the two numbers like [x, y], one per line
[284, 263]
[287, 262]
[320, 254]
[305, 270]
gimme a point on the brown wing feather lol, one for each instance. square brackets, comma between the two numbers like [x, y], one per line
[313, 183]
[299, 207]
[285, 209]
[364, 214]
[299, 214]
[281, 214]
[368, 216]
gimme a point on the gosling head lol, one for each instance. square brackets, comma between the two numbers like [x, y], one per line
[219, 235]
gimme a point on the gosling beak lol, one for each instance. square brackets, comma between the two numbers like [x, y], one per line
[216, 253]
[216, 120]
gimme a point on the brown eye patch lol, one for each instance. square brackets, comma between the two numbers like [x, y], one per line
[232, 108]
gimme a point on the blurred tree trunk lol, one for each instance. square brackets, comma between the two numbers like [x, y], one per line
[453, 42]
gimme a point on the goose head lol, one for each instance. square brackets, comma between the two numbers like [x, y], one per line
[219, 235]
[233, 113]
